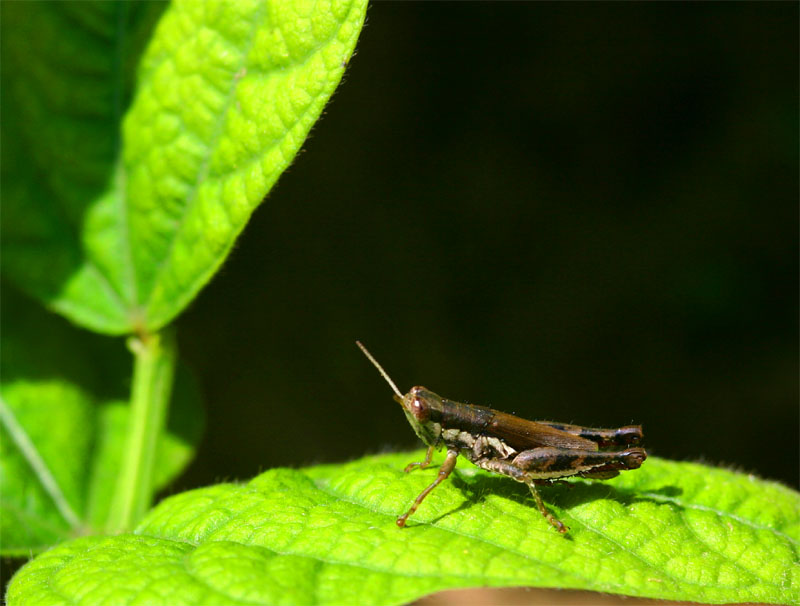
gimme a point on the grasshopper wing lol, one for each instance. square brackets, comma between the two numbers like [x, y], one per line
[523, 434]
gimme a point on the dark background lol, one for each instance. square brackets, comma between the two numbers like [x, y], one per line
[575, 212]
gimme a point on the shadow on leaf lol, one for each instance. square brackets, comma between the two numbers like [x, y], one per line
[561, 494]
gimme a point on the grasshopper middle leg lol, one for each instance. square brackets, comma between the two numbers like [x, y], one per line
[554, 521]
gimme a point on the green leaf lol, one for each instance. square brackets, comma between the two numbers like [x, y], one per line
[63, 422]
[327, 535]
[226, 94]
[67, 79]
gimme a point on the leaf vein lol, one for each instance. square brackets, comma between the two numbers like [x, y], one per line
[457, 533]
[37, 463]
[722, 514]
[202, 171]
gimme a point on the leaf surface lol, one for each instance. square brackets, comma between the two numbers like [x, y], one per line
[118, 223]
[63, 427]
[327, 535]
[67, 79]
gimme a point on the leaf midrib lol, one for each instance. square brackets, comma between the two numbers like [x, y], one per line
[485, 541]
[334, 497]
[721, 514]
[120, 174]
[217, 132]
[202, 172]
[40, 469]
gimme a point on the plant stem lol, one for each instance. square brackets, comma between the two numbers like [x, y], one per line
[153, 372]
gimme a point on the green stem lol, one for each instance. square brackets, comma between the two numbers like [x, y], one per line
[153, 372]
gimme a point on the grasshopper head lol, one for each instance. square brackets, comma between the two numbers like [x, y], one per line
[423, 410]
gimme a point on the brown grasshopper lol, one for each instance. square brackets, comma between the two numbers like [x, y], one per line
[531, 452]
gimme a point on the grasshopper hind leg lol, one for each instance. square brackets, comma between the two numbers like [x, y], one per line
[519, 474]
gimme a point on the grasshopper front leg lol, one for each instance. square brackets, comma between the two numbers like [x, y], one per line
[444, 471]
[422, 464]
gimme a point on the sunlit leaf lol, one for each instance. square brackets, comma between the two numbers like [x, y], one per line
[327, 535]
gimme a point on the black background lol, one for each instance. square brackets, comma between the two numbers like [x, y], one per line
[574, 212]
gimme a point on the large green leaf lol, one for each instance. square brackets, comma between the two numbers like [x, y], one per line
[67, 78]
[327, 535]
[63, 427]
[120, 234]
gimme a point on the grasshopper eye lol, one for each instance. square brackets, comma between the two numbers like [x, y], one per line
[420, 410]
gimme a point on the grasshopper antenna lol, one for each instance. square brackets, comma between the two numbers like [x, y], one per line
[380, 369]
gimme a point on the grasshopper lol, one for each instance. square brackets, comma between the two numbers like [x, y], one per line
[531, 452]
